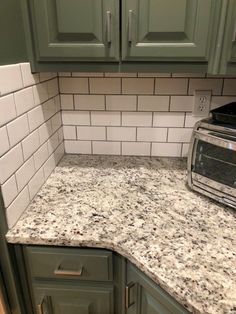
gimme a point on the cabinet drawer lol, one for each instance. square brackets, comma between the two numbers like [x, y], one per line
[69, 263]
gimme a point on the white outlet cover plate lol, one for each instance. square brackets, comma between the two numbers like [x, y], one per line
[202, 102]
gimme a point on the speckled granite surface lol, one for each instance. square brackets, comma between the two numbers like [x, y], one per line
[140, 208]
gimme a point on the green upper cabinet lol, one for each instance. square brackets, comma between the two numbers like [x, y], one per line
[167, 30]
[75, 30]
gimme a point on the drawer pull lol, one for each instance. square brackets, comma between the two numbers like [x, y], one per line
[128, 301]
[61, 272]
[40, 307]
[130, 26]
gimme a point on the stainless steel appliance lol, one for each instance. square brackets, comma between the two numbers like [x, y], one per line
[212, 161]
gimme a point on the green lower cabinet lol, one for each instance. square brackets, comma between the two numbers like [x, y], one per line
[143, 296]
[73, 299]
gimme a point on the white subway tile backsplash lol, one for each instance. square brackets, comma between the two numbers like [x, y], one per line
[188, 74]
[171, 86]
[105, 85]
[153, 103]
[214, 85]
[60, 135]
[56, 122]
[185, 150]
[89, 102]
[17, 207]
[10, 78]
[136, 118]
[106, 148]
[45, 131]
[168, 119]
[91, 133]
[35, 183]
[166, 149]
[179, 135]
[45, 76]
[40, 93]
[190, 120]
[121, 134]
[137, 86]
[105, 118]
[53, 89]
[25, 173]
[10, 162]
[121, 102]
[152, 134]
[154, 74]
[69, 132]
[7, 109]
[78, 147]
[120, 74]
[41, 156]
[65, 74]
[24, 100]
[181, 103]
[4, 146]
[53, 142]
[134, 149]
[229, 87]
[28, 78]
[73, 85]
[9, 190]
[35, 117]
[49, 109]
[18, 129]
[49, 166]
[30, 144]
[87, 74]
[67, 102]
[75, 118]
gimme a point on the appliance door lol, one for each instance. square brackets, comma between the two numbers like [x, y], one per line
[214, 162]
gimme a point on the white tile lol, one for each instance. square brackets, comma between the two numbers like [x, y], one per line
[91, 133]
[168, 119]
[24, 100]
[190, 120]
[136, 149]
[57, 101]
[25, 173]
[106, 148]
[218, 101]
[5, 146]
[89, 102]
[185, 150]
[18, 129]
[136, 118]
[41, 156]
[59, 153]
[188, 74]
[10, 78]
[53, 89]
[171, 86]
[121, 102]
[49, 166]
[153, 103]
[49, 109]
[67, 102]
[10, 162]
[179, 135]
[215, 85]
[64, 74]
[229, 87]
[56, 121]
[30, 144]
[166, 149]
[152, 134]
[17, 207]
[28, 77]
[105, 118]
[181, 103]
[60, 134]
[121, 134]
[40, 93]
[45, 131]
[120, 74]
[7, 109]
[78, 147]
[69, 132]
[154, 74]
[105, 85]
[9, 190]
[72, 85]
[35, 183]
[87, 74]
[35, 117]
[137, 86]
[75, 117]
[53, 142]
[45, 76]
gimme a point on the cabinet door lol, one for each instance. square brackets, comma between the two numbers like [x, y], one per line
[75, 30]
[145, 297]
[66, 299]
[167, 30]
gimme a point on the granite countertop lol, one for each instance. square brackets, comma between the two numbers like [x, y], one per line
[141, 208]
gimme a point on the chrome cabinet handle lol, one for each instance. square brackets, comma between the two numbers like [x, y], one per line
[40, 307]
[130, 26]
[108, 27]
[127, 295]
[62, 272]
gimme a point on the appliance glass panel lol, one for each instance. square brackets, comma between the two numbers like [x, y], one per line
[216, 163]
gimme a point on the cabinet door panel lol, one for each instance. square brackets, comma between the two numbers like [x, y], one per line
[76, 30]
[167, 30]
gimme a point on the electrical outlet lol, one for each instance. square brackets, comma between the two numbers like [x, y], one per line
[202, 101]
